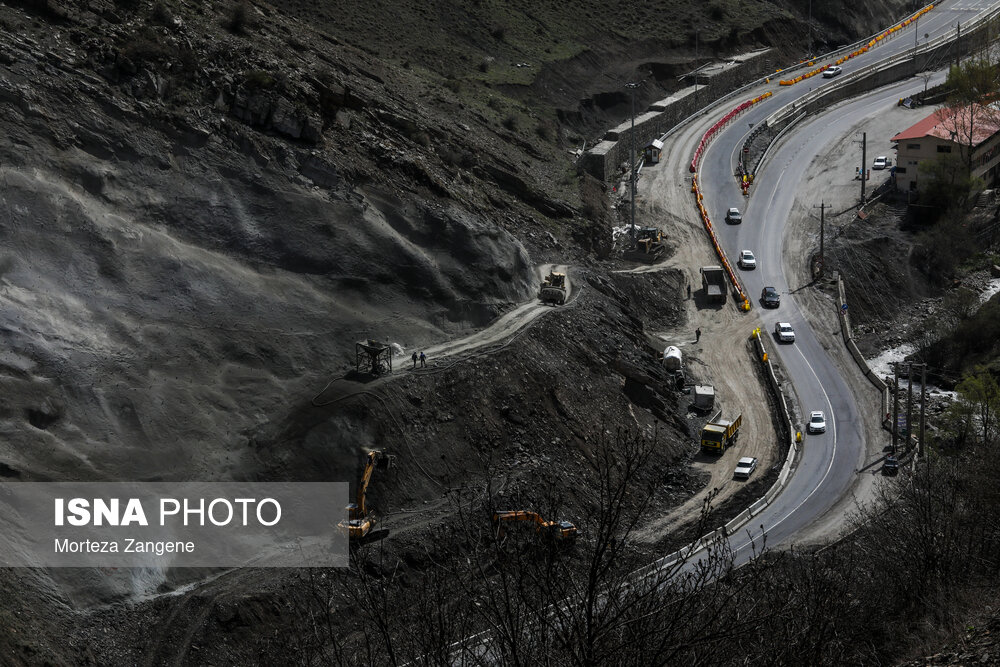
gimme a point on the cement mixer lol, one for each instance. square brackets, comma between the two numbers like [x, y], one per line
[672, 358]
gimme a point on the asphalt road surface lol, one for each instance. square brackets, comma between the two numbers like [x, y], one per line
[827, 465]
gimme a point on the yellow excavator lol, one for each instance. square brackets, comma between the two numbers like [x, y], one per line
[360, 522]
[558, 531]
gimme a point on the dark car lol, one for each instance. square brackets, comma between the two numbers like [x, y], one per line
[890, 466]
[770, 297]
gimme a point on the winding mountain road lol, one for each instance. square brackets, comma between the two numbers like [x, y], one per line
[826, 468]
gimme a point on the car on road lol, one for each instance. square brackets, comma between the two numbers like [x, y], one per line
[817, 422]
[890, 466]
[747, 260]
[733, 216]
[784, 332]
[770, 297]
[832, 71]
[881, 162]
[745, 467]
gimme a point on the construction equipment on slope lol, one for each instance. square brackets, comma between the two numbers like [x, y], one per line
[648, 245]
[558, 531]
[553, 288]
[360, 522]
[718, 435]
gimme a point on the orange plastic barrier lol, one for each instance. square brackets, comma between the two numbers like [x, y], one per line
[857, 52]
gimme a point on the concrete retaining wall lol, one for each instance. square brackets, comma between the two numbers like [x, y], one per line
[608, 158]
[845, 332]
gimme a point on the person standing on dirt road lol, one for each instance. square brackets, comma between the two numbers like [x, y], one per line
[414, 357]
[697, 334]
[423, 360]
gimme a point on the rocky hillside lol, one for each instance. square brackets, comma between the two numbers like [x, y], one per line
[206, 204]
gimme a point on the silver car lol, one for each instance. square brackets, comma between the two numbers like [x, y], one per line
[817, 422]
[745, 467]
[747, 260]
[784, 332]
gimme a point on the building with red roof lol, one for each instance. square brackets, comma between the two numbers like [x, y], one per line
[962, 131]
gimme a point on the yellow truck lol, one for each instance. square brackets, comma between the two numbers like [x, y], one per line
[718, 435]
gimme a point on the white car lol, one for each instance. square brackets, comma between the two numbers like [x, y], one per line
[817, 422]
[881, 162]
[831, 71]
[784, 332]
[747, 260]
[745, 467]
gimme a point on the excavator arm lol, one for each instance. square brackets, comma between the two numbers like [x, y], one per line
[366, 477]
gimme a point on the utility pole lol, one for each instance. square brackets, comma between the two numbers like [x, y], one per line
[632, 87]
[696, 68]
[909, 405]
[895, 406]
[810, 28]
[923, 401]
[958, 42]
[864, 162]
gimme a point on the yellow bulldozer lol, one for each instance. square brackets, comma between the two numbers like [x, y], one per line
[648, 245]
[360, 521]
[557, 531]
[553, 289]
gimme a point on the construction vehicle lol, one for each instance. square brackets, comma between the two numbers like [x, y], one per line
[558, 531]
[704, 397]
[360, 522]
[713, 281]
[553, 288]
[648, 245]
[718, 435]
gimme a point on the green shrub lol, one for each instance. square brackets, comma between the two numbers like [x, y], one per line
[259, 79]
[161, 15]
[239, 18]
[547, 130]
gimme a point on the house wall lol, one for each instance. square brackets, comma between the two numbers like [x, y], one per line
[911, 152]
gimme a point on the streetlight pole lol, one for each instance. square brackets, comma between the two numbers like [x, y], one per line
[632, 87]
[696, 68]
[810, 29]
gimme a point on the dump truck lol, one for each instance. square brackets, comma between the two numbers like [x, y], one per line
[718, 435]
[648, 245]
[713, 281]
[553, 289]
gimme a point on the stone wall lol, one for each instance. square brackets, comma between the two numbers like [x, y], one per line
[609, 158]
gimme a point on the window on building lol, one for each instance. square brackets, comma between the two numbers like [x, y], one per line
[900, 170]
[913, 147]
[944, 149]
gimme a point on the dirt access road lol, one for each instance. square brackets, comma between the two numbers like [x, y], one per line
[722, 357]
[506, 326]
